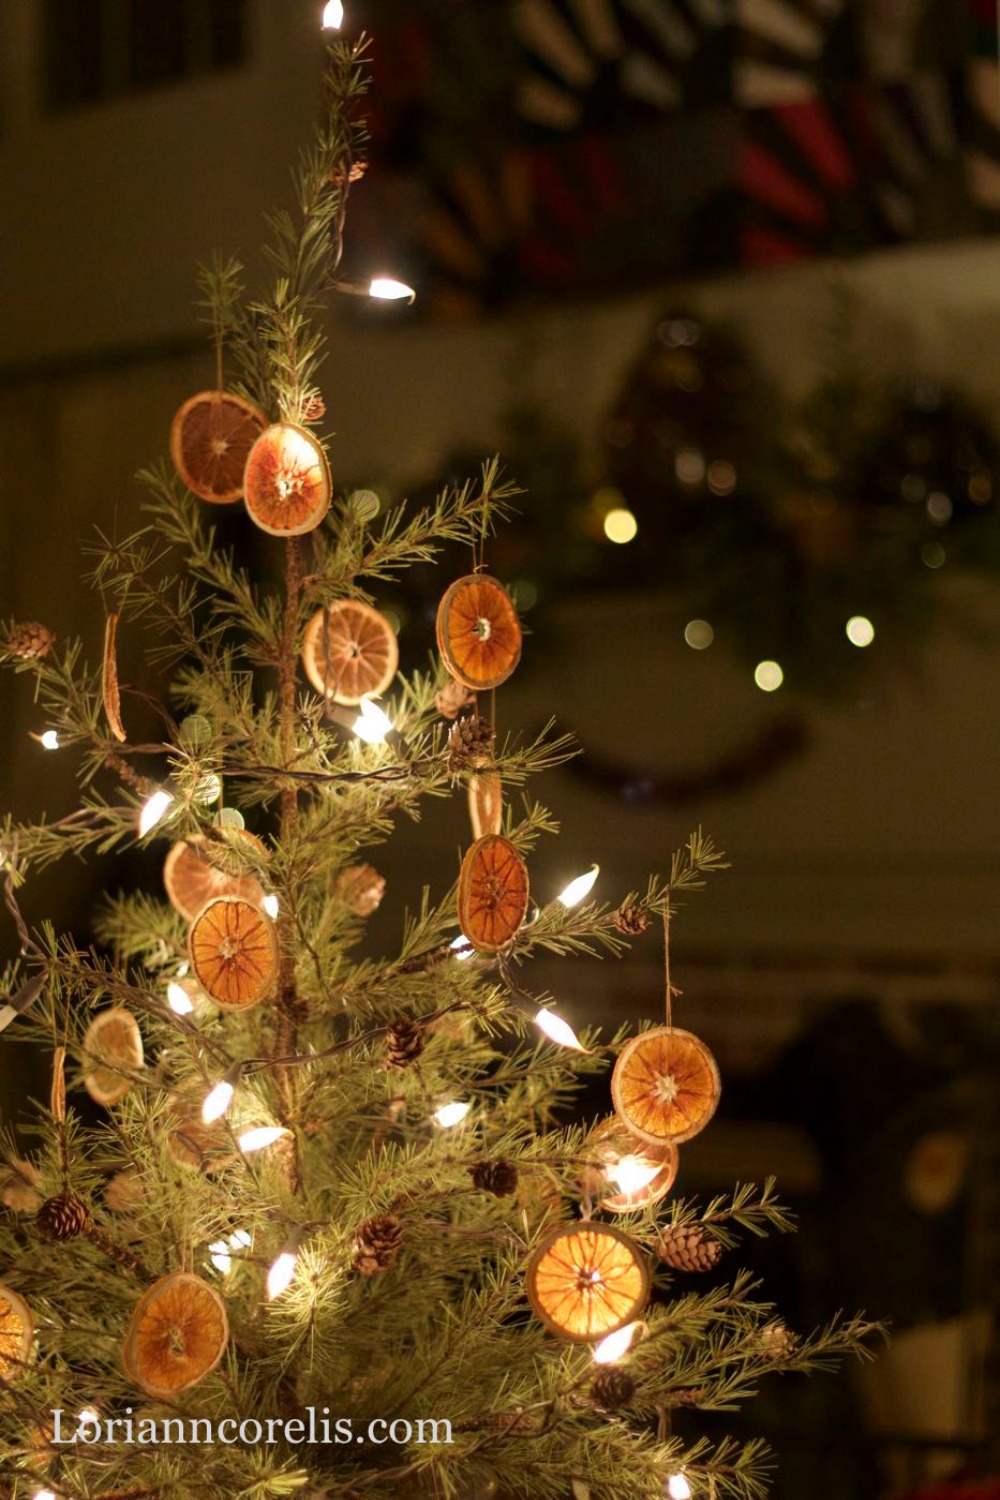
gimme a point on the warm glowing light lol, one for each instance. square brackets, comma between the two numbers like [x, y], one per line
[178, 999]
[860, 631]
[153, 809]
[452, 1114]
[220, 1257]
[616, 1345]
[388, 289]
[579, 888]
[44, 1495]
[88, 1418]
[372, 725]
[768, 676]
[698, 634]
[559, 1031]
[333, 15]
[50, 740]
[279, 1277]
[241, 1240]
[270, 905]
[633, 1173]
[218, 1100]
[260, 1137]
[462, 948]
[678, 1487]
[620, 525]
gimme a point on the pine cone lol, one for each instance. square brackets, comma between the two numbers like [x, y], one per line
[631, 919]
[361, 887]
[470, 742]
[453, 698]
[404, 1042]
[376, 1244]
[63, 1217]
[688, 1247]
[314, 409]
[496, 1177]
[30, 641]
[612, 1388]
[777, 1341]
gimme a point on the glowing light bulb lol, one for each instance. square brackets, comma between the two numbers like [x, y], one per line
[678, 1487]
[260, 1137]
[388, 289]
[860, 631]
[371, 725]
[242, 1239]
[462, 948]
[50, 740]
[620, 526]
[282, 1272]
[579, 888]
[219, 1098]
[632, 1173]
[616, 1345]
[44, 1495]
[153, 809]
[271, 906]
[220, 1257]
[559, 1031]
[698, 634]
[452, 1114]
[768, 676]
[178, 999]
[88, 1418]
[333, 15]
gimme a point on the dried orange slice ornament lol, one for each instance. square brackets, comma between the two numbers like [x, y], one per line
[350, 651]
[112, 1045]
[485, 804]
[111, 692]
[492, 893]
[586, 1280]
[665, 1085]
[637, 1173]
[178, 1334]
[478, 633]
[286, 483]
[210, 438]
[234, 952]
[17, 1330]
[192, 875]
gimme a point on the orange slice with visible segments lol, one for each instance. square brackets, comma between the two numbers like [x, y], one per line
[492, 893]
[586, 1280]
[286, 483]
[210, 438]
[17, 1330]
[478, 633]
[112, 1045]
[193, 874]
[178, 1334]
[350, 651]
[633, 1174]
[234, 952]
[665, 1085]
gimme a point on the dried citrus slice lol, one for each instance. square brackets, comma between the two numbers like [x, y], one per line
[485, 804]
[112, 1046]
[234, 952]
[638, 1174]
[109, 680]
[178, 1334]
[586, 1280]
[492, 893]
[350, 651]
[193, 874]
[17, 1329]
[189, 1141]
[286, 482]
[665, 1085]
[478, 633]
[210, 438]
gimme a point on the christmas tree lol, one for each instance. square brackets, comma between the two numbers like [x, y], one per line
[296, 1219]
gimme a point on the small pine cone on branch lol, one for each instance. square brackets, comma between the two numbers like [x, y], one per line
[496, 1177]
[361, 887]
[376, 1244]
[31, 641]
[470, 742]
[404, 1042]
[63, 1217]
[632, 919]
[688, 1247]
[612, 1388]
[453, 698]
[777, 1341]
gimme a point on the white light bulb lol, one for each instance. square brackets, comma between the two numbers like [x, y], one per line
[579, 888]
[333, 15]
[279, 1277]
[271, 906]
[616, 1345]
[220, 1256]
[452, 1114]
[217, 1101]
[631, 1174]
[241, 1239]
[388, 289]
[559, 1031]
[678, 1487]
[88, 1418]
[371, 725]
[462, 948]
[44, 1495]
[153, 809]
[50, 740]
[260, 1137]
[859, 629]
[178, 999]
